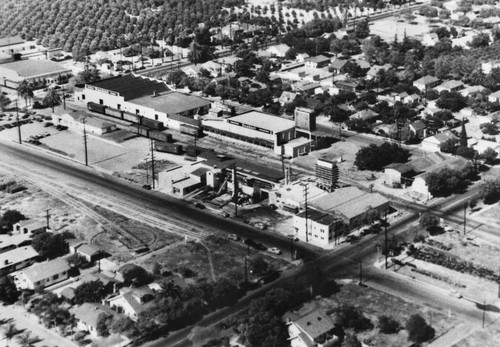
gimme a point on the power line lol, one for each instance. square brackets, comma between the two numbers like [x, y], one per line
[85, 142]
[152, 163]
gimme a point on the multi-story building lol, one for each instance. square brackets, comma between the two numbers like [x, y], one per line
[315, 227]
[327, 174]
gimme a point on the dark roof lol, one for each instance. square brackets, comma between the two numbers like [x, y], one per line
[172, 102]
[130, 86]
[311, 214]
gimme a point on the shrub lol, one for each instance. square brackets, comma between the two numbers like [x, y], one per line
[388, 325]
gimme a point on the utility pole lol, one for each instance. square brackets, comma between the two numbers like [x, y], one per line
[306, 190]
[85, 142]
[246, 268]
[152, 163]
[64, 98]
[360, 270]
[235, 193]
[18, 124]
[465, 218]
[47, 216]
[385, 232]
[484, 312]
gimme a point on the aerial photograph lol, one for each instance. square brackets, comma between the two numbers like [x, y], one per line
[251, 173]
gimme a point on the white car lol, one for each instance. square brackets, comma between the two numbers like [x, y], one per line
[274, 250]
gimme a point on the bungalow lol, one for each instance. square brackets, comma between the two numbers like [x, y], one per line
[426, 82]
[349, 86]
[363, 64]
[87, 315]
[430, 39]
[192, 70]
[373, 72]
[301, 57]
[278, 50]
[366, 115]
[490, 65]
[494, 97]
[418, 128]
[132, 301]
[17, 259]
[313, 329]
[398, 174]
[318, 61]
[337, 66]
[286, 97]
[472, 89]
[450, 86]
[44, 274]
[88, 252]
[410, 99]
[10, 242]
[28, 226]
[433, 143]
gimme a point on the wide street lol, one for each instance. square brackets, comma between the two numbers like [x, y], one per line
[342, 263]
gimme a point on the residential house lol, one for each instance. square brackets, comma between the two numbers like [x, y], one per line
[87, 315]
[418, 128]
[316, 227]
[363, 64]
[410, 99]
[286, 97]
[490, 65]
[192, 70]
[28, 226]
[426, 82]
[433, 143]
[366, 115]
[44, 274]
[88, 252]
[318, 61]
[430, 39]
[450, 86]
[349, 86]
[215, 69]
[306, 87]
[132, 301]
[17, 259]
[494, 97]
[337, 66]
[419, 184]
[10, 242]
[278, 50]
[374, 70]
[301, 57]
[314, 329]
[398, 174]
[472, 89]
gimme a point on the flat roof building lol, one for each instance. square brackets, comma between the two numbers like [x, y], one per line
[39, 73]
[17, 259]
[254, 127]
[327, 174]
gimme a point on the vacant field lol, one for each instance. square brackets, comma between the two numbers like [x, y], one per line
[228, 258]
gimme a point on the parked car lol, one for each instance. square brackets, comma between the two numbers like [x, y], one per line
[261, 225]
[224, 214]
[199, 205]
[274, 250]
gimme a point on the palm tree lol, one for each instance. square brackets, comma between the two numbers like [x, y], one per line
[195, 54]
[25, 339]
[170, 290]
[52, 99]
[9, 332]
[25, 90]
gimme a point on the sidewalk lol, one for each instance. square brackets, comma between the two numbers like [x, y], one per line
[453, 336]
[25, 321]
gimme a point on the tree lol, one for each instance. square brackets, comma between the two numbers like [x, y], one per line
[103, 324]
[8, 290]
[452, 101]
[447, 181]
[265, 330]
[388, 325]
[135, 274]
[259, 265]
[26, 340]
[351, 317]
[449, 146]
[428, 220]
[11, 217]
[489, 128]
[418, 329]
[124, 325]
[87, 76]
[4, 101]
[92, 291]
[169, 289]
[463, 136]
[291, 54]
[9, 332]
[480, 40]
[52, 99]
[466, 152]
[489, 155]
[50, 245]
[362, 29]
[490, 192]
[25, 90]
[376, 157]
[351, 341]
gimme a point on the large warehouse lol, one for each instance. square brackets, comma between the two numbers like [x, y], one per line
[38, 73]
[254, 127]
[144, 97]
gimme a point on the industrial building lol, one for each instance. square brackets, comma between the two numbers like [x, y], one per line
[316, 227]
[38, 73]
[256, 128]
[144, 97]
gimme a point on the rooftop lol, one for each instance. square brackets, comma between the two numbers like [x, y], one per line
[11, 40]
[311, 214]
[318, 59]
[16, 256]
[46, 269]
[340, 196]
[130, 86]
[264, 121]
[7, 240]
[315, 324]
[171, 102]
[31, 68]
[88, 250]
[295, 191]
[89, 312]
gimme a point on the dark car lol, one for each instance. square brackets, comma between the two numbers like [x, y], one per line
[199, 205]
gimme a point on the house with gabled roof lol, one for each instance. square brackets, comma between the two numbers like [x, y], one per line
[132, 301]
[433, 143]
[87, 315]
[28, 226]
[17, 259]
[450, 86]
[313, 329]
[338, 65]
[286, 97]
[426, 82]
[44, 274]
[278, 50]
[318, 61]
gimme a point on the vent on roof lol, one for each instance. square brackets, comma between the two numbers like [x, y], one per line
[308, 323]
